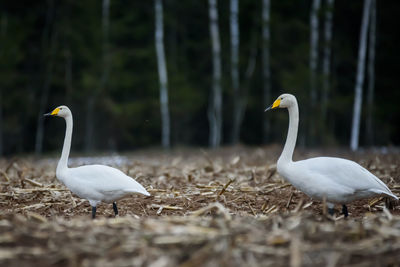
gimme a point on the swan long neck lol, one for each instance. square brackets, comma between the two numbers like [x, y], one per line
[63, 163]
[287, 153]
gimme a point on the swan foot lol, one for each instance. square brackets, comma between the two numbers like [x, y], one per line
[115, 208]
[345, 211]
[93, 212]
[389, 204]
[331, 211]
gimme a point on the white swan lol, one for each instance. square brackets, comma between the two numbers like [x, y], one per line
[95, 183]
[337, 180]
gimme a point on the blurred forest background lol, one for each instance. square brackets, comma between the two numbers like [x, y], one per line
[225, 62]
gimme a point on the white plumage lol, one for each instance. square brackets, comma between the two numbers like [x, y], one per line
[337, 180]
[96, 183]
[99, 183]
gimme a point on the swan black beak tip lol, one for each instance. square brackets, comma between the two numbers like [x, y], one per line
[268, 108]
[47, 114]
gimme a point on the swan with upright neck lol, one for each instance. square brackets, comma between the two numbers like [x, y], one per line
[96, 183]
[337, 180]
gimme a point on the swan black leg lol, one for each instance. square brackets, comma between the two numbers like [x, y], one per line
[93, 212]
[389, 203]
[115, 208]
[345, 211]
[331, 211]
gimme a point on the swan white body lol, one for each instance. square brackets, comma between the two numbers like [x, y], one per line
[99, 183]
[338, 180]
[96, 183]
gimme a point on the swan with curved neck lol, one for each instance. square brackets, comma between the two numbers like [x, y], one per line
[339, 181]
[96, 183]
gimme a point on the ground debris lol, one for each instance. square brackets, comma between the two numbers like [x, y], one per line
[300, 239]
[208, 208]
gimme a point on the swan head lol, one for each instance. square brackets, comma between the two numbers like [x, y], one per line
[283, 101]
[61, 111]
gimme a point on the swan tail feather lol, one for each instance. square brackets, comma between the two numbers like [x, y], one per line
[140, 190]
[387, 193]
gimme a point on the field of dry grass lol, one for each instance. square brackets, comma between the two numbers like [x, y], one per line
[214, 208]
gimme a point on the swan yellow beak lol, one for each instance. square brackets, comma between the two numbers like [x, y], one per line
[53, 113]
[274, 105]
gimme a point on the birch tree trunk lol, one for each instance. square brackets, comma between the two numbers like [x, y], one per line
[68, 57]
[251, 65]
[162, 73]
[215, 106]
[326, 65]
[355, 130]
[3, 30]
[48, 57]
[237, 100]
[68, 75]
[44, 97]
[266, 63]
[311, 128]
[90, 119]
[314, 36]
[371, 75]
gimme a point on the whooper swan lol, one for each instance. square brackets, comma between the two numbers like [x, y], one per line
[338, 180]
[95, 183]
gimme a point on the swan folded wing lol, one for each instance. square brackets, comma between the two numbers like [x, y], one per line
[318, 185]
[346, 173]
[107, 180]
